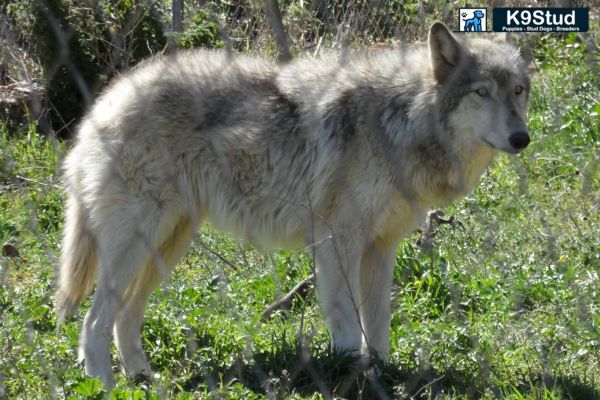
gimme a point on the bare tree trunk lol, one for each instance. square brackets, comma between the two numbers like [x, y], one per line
[177, 25]
[274, 15]
[177, 15]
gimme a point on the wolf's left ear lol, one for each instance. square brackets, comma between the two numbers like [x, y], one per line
[445, 51]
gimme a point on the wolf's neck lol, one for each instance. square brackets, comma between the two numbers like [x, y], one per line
[475, 161]
[452, 168]
[431, 163]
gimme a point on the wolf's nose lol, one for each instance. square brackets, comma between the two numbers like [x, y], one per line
[519, 140]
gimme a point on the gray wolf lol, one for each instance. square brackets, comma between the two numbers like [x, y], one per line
[344, 154]
[474, 24]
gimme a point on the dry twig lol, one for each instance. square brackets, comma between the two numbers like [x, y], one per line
[302, 290]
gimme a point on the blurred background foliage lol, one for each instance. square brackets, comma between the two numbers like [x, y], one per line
[74, 47]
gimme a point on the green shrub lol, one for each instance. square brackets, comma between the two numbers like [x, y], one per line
[69, 73]
[81, 45]
[203, 31]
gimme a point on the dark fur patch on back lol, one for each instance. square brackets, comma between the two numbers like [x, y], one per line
[341, 118]
[218, 113]
[265, 93]
[399, 107]
[285, 112]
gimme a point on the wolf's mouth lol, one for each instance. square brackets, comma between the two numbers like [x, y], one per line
[509, 150]
[489, 143]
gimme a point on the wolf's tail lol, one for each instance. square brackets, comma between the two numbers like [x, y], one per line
[79, 261]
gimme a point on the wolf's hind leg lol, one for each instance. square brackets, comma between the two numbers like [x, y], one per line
[125, 233]
[130, 318]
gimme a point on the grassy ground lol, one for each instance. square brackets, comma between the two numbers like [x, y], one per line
[506, 305]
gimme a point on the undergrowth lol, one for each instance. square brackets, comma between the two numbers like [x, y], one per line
[505, 305]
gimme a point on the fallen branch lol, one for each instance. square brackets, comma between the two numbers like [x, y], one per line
[434, 218]
[28, 180]
[301, 290]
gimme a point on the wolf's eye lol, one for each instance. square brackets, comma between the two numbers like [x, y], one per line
[483, 92]
[518, 89]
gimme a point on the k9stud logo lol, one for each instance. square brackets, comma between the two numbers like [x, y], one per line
[541, 19]
[472, 20]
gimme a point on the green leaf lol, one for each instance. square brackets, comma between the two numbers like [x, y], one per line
[89, 387]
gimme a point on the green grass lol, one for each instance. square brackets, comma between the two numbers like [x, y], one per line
[507, 304]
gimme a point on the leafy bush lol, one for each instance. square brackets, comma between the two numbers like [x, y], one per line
[203, 31]
[82, 44]
[68, 72]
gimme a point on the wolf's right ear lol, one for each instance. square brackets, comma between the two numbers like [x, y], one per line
[444, 50]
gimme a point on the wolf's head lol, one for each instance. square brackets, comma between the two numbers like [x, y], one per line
[482, 89]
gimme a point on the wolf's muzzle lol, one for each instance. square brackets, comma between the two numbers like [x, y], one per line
[519, 140]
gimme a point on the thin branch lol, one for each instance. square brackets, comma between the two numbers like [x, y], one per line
[302, 290]
[434, 218]
[219, 256]
[427, 385]
[52, 185]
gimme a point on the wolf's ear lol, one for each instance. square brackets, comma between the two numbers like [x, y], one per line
[444, 50]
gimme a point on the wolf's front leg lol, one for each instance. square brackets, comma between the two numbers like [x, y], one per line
[338, 289]
[376, 273]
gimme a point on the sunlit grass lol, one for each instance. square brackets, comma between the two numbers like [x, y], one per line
[506, 305]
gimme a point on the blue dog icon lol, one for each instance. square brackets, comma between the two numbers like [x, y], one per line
[474, 24]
